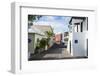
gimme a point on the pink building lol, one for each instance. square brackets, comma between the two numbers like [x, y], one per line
[58, 38]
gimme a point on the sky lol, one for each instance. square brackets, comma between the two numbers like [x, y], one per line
[58, 23]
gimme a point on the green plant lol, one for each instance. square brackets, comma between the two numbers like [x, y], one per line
[49, 34]
[37, 44]
[32, 18]
[43, 43]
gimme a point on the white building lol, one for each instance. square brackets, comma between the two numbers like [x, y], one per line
[66, 37]
[35, 33]
[78, 39]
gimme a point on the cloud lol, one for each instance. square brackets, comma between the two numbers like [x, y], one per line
[47, 18]
[59, 23]
[42, 23]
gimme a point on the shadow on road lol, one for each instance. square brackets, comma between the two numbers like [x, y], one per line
[56, 49]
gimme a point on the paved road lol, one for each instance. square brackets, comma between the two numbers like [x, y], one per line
[55, 52]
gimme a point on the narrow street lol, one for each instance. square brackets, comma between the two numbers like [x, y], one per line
[57, 51]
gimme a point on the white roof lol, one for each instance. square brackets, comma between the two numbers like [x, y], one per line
[35, 30]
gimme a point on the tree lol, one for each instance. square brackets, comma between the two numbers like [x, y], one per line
[43, 43]
[32, 18]
[49, 34]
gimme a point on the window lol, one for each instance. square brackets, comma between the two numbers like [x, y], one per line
[76, 41]
[29, 40]
[81, 27]
[77, 27]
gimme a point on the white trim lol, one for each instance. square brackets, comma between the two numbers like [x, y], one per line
[16, 62]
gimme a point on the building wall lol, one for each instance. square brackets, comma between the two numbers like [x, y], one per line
[62, 37]
[85, 23]
[69, 48]
[79, 48]
[31, 44]
[51, 42]
[78, 40]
